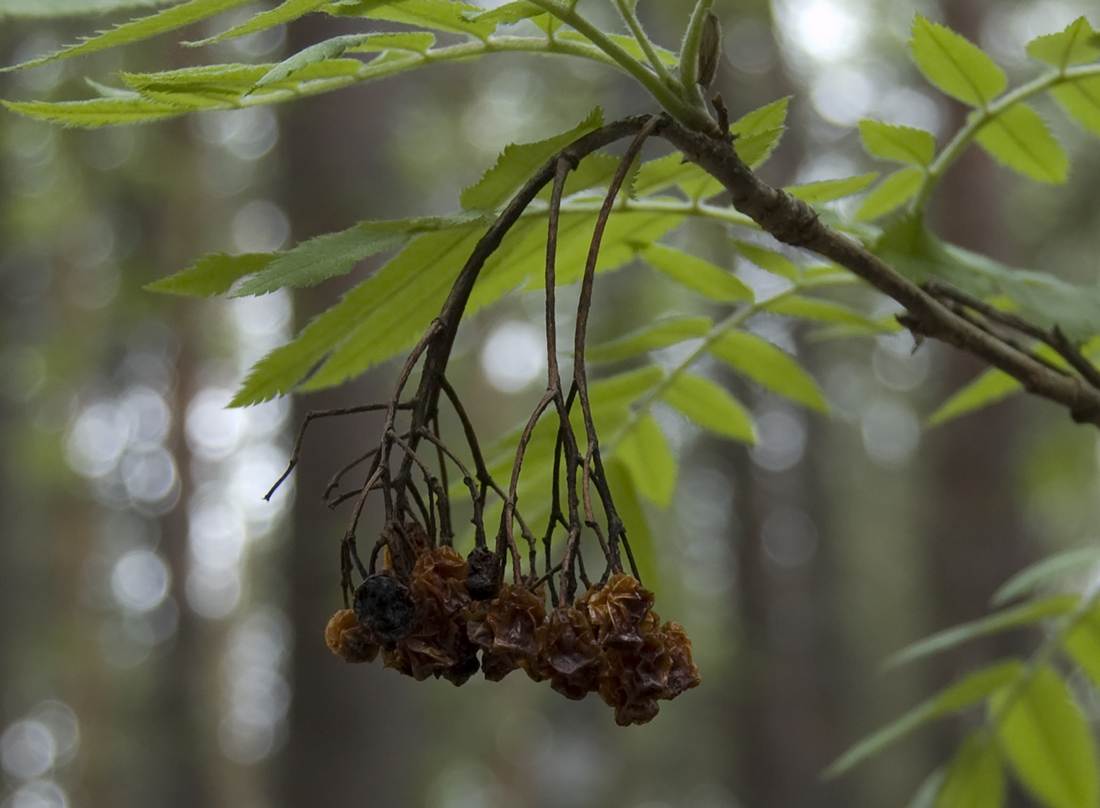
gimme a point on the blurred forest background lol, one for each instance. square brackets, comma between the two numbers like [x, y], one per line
[161, 624]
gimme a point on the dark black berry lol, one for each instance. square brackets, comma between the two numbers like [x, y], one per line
[384, 605]
[483, 580]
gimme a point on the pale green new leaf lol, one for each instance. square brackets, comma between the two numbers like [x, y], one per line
[518, 162]
[1043, 572]
[283, 13]
[1020, 139]
[645, 454]
[1081, 100]
[1048, 742]
[954, 64]
[322, 51]
[696, 274]
[903, 144]
[213, 274]
[816, 193]
[1026, 614]
[975, 778]
[769, 366]
[769, 260]
[972, 689]
[891, 193]
[167, 20]
[651, 338]
[415, 41]
[762, 120]
[97, 111]
[710, 406]
[594, 172]
[656, 175]
[1073, 46]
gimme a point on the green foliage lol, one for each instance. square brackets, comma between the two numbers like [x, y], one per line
[975, 778]
[954, 64]
[69, 8]
[902, 144]
[1075, 45]
[1020, 139]
[710, 406]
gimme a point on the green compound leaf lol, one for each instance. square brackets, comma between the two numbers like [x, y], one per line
[1027, 614]
[1047, 740]
[975, 778]
[891, 193]
[1020, 139]
[283, 13]
[1082, 642]
[903, 144]
[333, 254]
[769, 366]
[167, 20]
[696, 274]
[1073, 46]
[815, 193]
[1081, 101]
[213, 274]
[97, 111]
[769, 260]
[710, 406]
[651, 338]
[645, 454]
[954, 64]
[970, 690]
[518, 162]
[1041, 573]
[453, 16]
[821, 311]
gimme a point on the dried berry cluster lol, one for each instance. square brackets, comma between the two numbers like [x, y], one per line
[610, 642]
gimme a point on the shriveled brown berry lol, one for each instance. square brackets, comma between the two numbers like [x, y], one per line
[349, 640]
[568, 654]
[483, 581]
[440, 575]
[617, 609]
[504, 628]
[683, 675]
[383, 604]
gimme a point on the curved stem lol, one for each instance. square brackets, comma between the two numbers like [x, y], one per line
[635, 26]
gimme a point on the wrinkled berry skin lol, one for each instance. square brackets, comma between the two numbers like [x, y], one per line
[483, 580]
[348, 639]
[384, 605]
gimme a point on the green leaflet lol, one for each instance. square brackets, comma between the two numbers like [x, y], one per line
[815, 193]
[213, 274]
[1043, 572]
[971, 689]
[769, 366]
[903, 144]
[769, 260]
[283, 13]
[1020, 139]
[891, 193]
[334, 254]
[822, 311]
[594, 172]
[710, 406]
[1082, 642]
[975, 778]
[97, 111]
[990, 386]
[167, 20]
[68, 8]
[513, 12]
[651, 338]
[418, 42]
[453, 16]
[764, 119]
[656, 175]
[1073, 46]
[1081, 101]
[645, 454]
[623, 389]
[954, 64]
[1026, 614]
[1047, 740]
[518, 162]
[1043, 299]
[696, 274]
